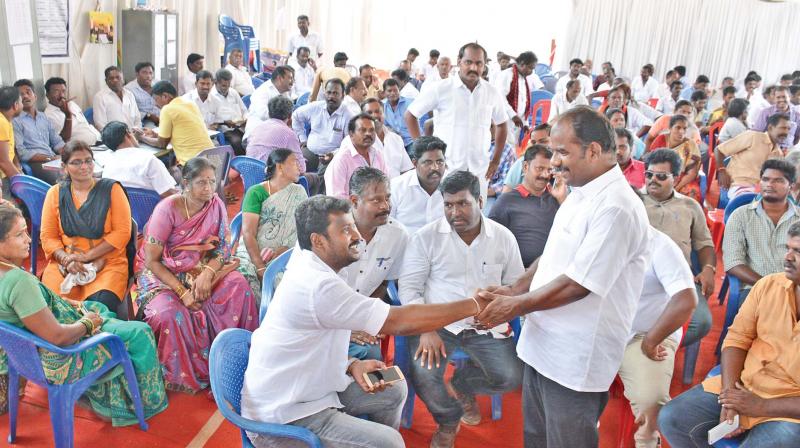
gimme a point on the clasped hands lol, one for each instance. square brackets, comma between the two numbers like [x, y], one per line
[74, 263]
[200, 291]
[497, 306]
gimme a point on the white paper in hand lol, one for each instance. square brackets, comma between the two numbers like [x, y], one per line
[722, 430]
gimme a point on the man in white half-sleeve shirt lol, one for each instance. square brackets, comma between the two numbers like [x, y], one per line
[644, 86]
[242, 82]
[390, 144]
[384, 241]
[306, 38]
[280, 84]
[299, 372]
[575, 66]
[416, 199]
[303, 73]
[584, 290]
[566, 100]
[446, 260]
[465, 106]
[115, 103]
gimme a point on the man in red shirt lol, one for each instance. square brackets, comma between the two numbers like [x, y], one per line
[631, 168]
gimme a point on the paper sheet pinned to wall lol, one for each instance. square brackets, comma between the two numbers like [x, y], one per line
[18, 17]
[23, 65]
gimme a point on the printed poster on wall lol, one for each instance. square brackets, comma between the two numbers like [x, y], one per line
[101, 27]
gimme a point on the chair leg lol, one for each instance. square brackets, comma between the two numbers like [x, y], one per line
[133, 388]
[13, 403]
[723, 290]
[497, 406]
[34, 249]
[62, 409]
[689, 361]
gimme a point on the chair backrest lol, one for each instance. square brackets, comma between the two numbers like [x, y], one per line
[230, 32]
[31, 191]
[302, 100]
[89, 114]
[221, 157]
[251, 169]
[550, 83]
[20, 347]
[268, 285]
[540, 112]
[246, 101]
[227, 362]
[143, 202]
[738, 201]
[304, 182]
[256, 81]
[542, 70]
[540, 94]
[236, 228]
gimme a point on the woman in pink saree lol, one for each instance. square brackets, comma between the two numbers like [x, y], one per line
[189, 289]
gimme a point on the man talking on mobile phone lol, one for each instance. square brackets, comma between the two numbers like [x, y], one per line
[299, 372]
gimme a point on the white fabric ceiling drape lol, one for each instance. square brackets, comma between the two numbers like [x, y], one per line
[716, 38]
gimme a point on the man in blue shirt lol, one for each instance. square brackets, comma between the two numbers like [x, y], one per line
[36, 141]
[394, 107]
[701, 83]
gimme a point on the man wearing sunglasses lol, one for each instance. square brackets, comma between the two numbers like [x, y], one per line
[682, 219]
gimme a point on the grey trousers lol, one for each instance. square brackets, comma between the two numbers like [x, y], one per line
[342, 428]
[557, 417]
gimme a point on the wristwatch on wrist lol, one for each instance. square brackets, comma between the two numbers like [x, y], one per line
[350, 363]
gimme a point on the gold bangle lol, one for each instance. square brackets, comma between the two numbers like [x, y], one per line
[180, 291]
[477, 305]
[261, 269]
[713, 268]
[213, 271]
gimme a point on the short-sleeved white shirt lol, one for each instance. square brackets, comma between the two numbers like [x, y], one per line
[138, 168]
[599, 239]
[644, 91]
[394, 153]
[586, 84]
[242, 82]
[298, 356]
[380, 260]
[312, 41]
[412, 205]
[463, 120]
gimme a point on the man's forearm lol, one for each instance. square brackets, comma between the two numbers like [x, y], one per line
[559, 292]
[417, 319]
[745, 273]
[66, 131]
[732, 363]
[786, 407]
[523, 284]
[500, 136]
[412, 124]
[707, 257]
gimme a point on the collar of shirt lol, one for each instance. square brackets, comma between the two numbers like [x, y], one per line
[39, 115]
[458, 83]
[486, 231]
[525, 193]
[791, 210]
[598, 184]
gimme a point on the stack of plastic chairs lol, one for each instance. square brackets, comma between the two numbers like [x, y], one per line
[242, 37]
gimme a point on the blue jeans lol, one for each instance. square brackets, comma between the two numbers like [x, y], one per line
[700, 323]
[493, 368]
[686, 420]
[364, 352]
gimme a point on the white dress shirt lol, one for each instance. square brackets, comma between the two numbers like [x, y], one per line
[312, 41]
[431, 72]
[209, 108]
[586, 84]
[412, 205]
[599, 239]
[303, 79]
[637, 120]
[259, 100]
[241, 82]
[440, 268]
[381, 259]
[667, 275]
[666, 105]
[663, 90]
[107, 107]
[394, 153]
[351, 105]
[502, 82]
[559, 104]
[409, 91]
[298, 356]
[187, 83]
[82, 130]
[138, 168]
[231, 107]
[643, 91]
[463, 119]
[327, 130]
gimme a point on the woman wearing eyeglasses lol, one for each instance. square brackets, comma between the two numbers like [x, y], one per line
[86, 227]
[189, 289]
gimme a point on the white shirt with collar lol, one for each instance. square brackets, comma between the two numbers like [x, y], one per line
[231, 107]
[186, 83]
[559, 104]
[586, 84]
[439, 267]
[303, 79]
[463, 120]
[351, 105]
[381, 259]
[82, 130]
[259, 101]
[637, 120]
[666, 105]
[431, 72]
[107, 107]
[599, 239]
[502, 82]
[412, 205]
[409, 91]
[241, 82]
[312, 41]
[643, 91]
[208, 108]
[327, 129]
[304, 338]
[138, 168]
[394, 153]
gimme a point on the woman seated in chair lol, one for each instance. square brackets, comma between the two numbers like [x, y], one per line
[27, 303]
[688, 183]
[86, 226]
[268, 228]
[188, 286]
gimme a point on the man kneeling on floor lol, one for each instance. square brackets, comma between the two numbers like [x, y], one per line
[299, 372]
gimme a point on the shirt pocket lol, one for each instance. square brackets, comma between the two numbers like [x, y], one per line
[492, 274]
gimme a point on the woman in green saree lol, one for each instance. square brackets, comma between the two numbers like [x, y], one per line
[26, 303]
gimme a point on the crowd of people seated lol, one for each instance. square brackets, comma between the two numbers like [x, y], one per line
[588, 222]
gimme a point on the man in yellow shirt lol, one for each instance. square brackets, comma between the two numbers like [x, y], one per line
[181, 124]
[760, 359]
[10, 107]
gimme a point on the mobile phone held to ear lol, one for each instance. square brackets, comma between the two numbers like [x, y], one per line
[389, 375]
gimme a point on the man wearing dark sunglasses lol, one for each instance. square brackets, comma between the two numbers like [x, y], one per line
[682, 219]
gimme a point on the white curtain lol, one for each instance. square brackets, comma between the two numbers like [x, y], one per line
[716, 38]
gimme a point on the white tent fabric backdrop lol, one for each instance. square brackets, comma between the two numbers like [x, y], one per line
[716, 38]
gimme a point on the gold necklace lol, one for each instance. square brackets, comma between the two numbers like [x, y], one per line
[8, 265]
[269, 189]
[186, 207]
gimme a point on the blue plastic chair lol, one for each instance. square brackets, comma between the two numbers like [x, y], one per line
[246, 101]
[143, 202]
[302, 100]
[401, 359]
[26, 169]
[542, 70]
[304, 182]
[256, 81]
[227, 363]
[31, 191]
[22, 348]
[221, 157]
[268, 284]
[536, 96]
[236, 228]
[242, 37]
[252, 170]
[89, 114]
[703, 180]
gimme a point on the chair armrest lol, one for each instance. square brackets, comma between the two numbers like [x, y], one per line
[272, 429]
[114, 342]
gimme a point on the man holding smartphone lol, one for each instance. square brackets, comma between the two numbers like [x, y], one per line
[299, 372]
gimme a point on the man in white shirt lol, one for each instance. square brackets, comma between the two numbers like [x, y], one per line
[115, 103]
[566, 100]
[665, 87]
[201, 95]
[232, 113]
[666, 104]
[298, 372]
[66, 116]
[584, 290]
[429, 70]
[416, 200]
[447, 259]
[383, 243]
[355, 92]
[388, 143]
[645, 86]
[407, 89]
[303, 73]
[465, 106]
[280, 84]
[195, 63]
[515, 84]
[575, 66]
[242, 82]
[132, 166]
[638, 123]
[306, 38]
